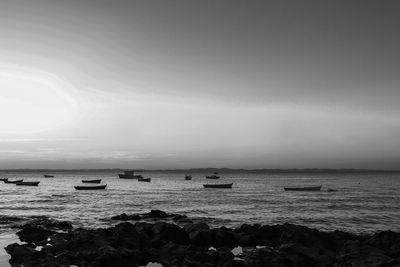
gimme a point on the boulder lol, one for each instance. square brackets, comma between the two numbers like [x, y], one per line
[170, 232]
[157, 214]
[34, 234]
[224, 237]
[125, 217]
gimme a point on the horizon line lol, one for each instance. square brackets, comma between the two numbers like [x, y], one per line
[210, 169]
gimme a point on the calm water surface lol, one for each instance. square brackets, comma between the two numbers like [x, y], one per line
[363, 202]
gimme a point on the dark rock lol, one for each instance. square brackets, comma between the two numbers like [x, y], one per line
[358, 254]
[125, 217]
[170, 232]
[47, 223]
[245, 240]
[202, 238]
[196, 227]
[388, 241]
[189, 263]
[178, 217]
[125, 235]
[22, 255]
[34, 234]
[199, 234]
[224, 237]
[157, 214]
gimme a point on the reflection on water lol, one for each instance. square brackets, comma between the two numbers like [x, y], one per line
[363, 202]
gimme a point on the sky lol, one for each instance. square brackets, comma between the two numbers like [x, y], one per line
[189, 84]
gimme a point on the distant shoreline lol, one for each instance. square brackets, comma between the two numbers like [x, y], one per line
[210, 170]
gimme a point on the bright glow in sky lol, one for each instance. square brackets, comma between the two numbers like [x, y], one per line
[33, 102]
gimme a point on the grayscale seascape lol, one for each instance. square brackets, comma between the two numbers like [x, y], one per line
[199, 133]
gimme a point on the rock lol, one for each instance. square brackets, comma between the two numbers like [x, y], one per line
[196, 227]
[388, 241]
[125, 217]
[19, 251]
[47, 223]
[202, 238]
[157, 214]
[108, 256]
[245, 240]
[34, 234]
[178, 217]
[199, 234]
[223, 237]
[125, 235]
[170, 232]
[305, 256]
[358, 254]
[189, 263]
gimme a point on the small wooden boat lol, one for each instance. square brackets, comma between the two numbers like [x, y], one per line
[307, 188]
[91, 187]
[95, 181]
[48, 176]
[144, 179]
[28, 183]
[3, 179]
[13, 182]
[218, 185]
[128, 176]
[188, 177]
[213, 176]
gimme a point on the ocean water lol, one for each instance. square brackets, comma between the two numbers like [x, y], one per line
[362, 203]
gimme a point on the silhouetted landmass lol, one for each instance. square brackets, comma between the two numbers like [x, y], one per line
[210, 170]
[309, 170]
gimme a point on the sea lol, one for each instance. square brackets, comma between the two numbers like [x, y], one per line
[360, 203]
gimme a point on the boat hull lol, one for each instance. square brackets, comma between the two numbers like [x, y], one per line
[212, 177]
[13, 182]
[95, 187]
[97, 181]
[48, 176]
[28, 183]
[307, 188]
[218, 185]
[128, 176]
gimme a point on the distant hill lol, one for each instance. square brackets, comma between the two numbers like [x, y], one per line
[211, 170]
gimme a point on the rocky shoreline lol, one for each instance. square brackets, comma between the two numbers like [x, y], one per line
[176, 240]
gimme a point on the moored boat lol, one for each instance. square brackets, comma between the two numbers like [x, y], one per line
[48, 176]
[90, 187]
[306, 188]
[94, 181]
[188, 177]
[145, 179]
[28, 183]
[129, 175]
[218, 185]
[3, 179]
[213, 176]
[13, 182]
